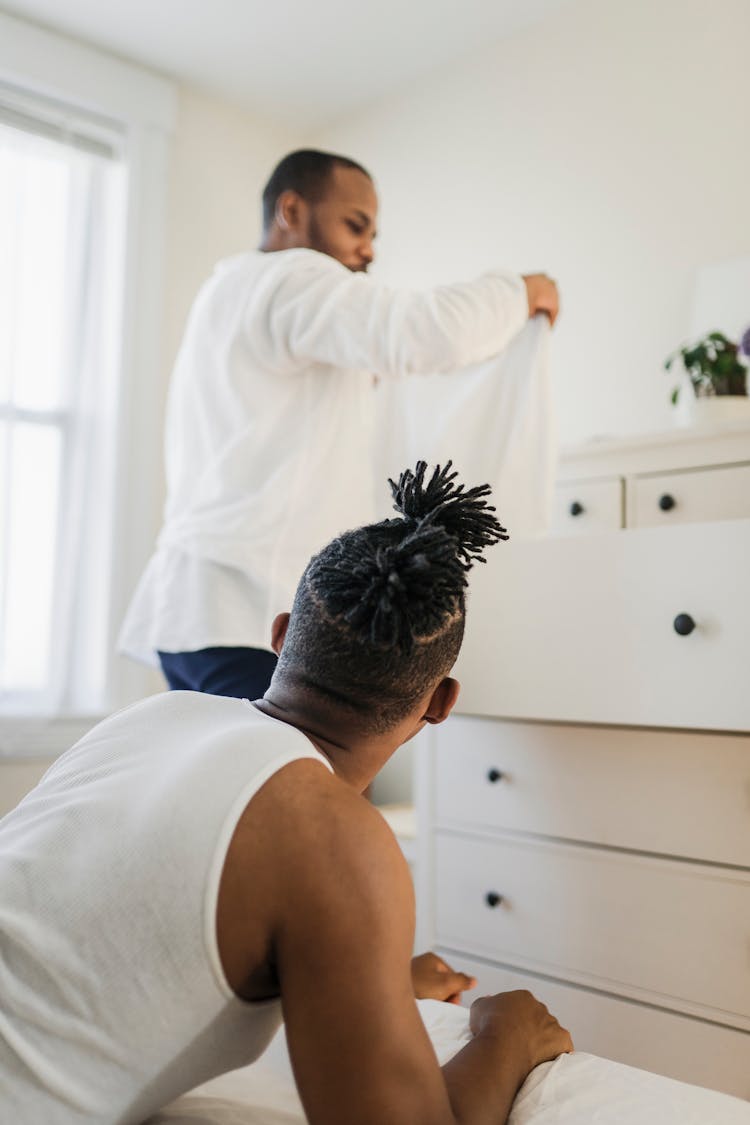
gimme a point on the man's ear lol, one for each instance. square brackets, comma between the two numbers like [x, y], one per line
[442, 701]
[288, 211]
[278, 632]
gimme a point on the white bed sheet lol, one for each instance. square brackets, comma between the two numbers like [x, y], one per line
[575, 1089]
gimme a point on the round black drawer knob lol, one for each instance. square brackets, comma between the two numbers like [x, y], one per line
[494, 775]
[683, 624]
[576, 508]
[667, 502]
[493, 899]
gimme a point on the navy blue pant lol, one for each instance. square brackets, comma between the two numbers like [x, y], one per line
[243, 673]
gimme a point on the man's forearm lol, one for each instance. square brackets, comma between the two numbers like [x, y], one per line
[482, 1080]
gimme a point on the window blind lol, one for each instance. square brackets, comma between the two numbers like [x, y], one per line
[69, 125]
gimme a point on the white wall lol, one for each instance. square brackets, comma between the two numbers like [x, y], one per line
[608, 146]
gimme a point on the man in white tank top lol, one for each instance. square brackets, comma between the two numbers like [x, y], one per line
[198, 866]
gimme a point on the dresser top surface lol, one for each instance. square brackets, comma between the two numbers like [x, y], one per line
[681, 447]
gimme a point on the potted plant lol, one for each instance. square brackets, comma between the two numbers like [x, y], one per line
[713, 386]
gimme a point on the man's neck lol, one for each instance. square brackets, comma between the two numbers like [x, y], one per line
[275, 240]
[355, 758]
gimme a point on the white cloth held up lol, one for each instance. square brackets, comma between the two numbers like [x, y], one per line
[495, 421]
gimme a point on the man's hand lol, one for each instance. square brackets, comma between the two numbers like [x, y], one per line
[513, 1033]
[542, 295]
[433, 979]
[522, 1025]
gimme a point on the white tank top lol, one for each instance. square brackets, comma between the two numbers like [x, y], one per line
[113, 998]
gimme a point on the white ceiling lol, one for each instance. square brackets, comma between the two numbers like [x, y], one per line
[303, 62]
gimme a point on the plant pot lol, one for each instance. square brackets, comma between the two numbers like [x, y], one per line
[711, 410]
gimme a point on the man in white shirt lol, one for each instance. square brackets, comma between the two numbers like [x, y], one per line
[270, 422]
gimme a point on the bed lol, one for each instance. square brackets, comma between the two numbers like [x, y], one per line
[577, 1089]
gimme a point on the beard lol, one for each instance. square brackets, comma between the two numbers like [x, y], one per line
[317, 240]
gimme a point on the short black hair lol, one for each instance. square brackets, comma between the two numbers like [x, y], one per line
[305, 171]
[378, 617]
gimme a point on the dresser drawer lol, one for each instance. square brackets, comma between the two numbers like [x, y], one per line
[688, 1050]
[674, 934]
[664, 499]
[586, 506]
[581, 629]
[605, 785]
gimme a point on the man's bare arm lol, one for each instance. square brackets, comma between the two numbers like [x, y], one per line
[342, 921]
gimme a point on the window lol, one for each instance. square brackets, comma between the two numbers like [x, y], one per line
[62, 229]
[84, 146]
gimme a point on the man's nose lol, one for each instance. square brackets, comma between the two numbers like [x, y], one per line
[367, 252]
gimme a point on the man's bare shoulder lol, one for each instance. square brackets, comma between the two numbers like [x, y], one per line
[306, 846]
[304, 809]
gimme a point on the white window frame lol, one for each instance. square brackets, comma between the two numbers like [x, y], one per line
[145, 105]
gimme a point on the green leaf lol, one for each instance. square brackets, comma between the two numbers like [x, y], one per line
[711, 361]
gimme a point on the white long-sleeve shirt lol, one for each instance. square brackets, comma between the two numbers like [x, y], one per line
[270, 430]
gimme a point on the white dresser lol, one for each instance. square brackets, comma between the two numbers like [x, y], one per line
[584, 822]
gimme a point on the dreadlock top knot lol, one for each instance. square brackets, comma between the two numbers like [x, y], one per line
[379, 615]
[401, 582]
[464, 515]
[398, 591]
